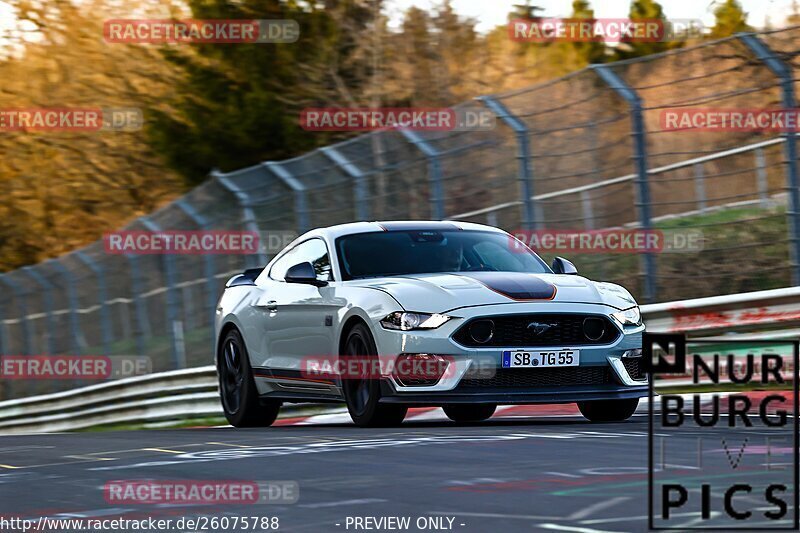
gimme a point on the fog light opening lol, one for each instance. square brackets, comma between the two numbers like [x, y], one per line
[419, 369]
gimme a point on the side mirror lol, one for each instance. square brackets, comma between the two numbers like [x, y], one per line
[303, 273]
[562, 266]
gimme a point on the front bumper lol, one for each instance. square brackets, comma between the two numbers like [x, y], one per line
[610, 376]
[506, 397]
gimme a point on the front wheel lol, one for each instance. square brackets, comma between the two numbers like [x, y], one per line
[237, 388]
[463, 413]
[608, 410]
[362, 393]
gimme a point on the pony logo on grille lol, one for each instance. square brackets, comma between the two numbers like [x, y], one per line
[539, 328]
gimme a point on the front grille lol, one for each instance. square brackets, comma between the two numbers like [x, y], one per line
[518, 378]
[635, 367]
[514, 331]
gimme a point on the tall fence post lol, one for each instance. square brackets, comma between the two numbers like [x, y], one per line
[21, 301]
[142, 320]
[102, 297]
[168, 260]
[47, 298]
[3, 336]
[299, 190]
[618, 85]
[248, 216]
[208, 261]
[5, 385]
[358, 177]
[700, 187]
[434, 172]
[761, 178]
[597, 166]
[587, 210]
[784, 72]
[78, 343]
[525, 171]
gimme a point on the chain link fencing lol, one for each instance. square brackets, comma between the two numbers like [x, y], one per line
[582, 152]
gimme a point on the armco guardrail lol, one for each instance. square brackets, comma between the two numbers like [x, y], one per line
[750, 311]
[179, 394]
[192, 393]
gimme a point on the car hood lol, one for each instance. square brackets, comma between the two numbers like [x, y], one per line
[438, 293]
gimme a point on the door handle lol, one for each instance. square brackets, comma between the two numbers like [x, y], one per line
[271, 305]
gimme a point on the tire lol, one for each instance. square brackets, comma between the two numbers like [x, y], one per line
[608, 410]
[469, 412]
[237, 388]
[362, 395]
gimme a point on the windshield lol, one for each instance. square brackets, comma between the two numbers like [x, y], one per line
[396, 253]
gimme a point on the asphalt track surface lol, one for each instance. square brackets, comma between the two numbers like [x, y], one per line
[516, 472]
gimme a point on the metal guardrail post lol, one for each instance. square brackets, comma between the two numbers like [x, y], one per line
[77, 338]
[172, 298]
[300, 205]
[359, 178]
[784, 72]
[619, 86]
[19, 297]
[102, 296]
[142, 321]
[434, 171]
[208, 260]
[529, 212]
[248, 216]
[47, 297]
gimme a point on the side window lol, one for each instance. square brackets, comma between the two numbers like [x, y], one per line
[314, 251]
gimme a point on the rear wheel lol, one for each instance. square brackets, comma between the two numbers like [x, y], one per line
[477, 412]
[237, 388]
[608, 410]
[362, 393]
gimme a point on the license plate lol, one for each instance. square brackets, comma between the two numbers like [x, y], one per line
[540, 358]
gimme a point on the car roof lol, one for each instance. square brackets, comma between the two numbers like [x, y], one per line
[333, 232]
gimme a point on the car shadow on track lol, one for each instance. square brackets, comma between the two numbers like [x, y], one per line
[576, 421]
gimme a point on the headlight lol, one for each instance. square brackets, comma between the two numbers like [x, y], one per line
[628, 317]
[408, 321]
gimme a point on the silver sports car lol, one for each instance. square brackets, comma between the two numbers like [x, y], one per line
[387, 315]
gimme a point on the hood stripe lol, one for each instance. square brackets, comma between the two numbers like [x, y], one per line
[514, 285]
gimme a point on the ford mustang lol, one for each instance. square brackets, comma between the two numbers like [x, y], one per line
[387, 315]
